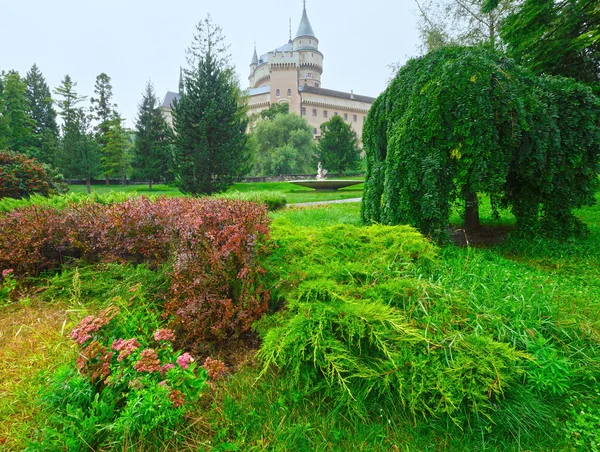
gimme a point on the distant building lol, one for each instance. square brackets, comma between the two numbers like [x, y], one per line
[292, 74]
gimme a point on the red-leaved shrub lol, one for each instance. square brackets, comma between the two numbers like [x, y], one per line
[213, 247]
[21, 176]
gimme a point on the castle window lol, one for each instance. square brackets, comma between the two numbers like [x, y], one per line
[314, 130]
[278, 93]
[314, 112]
[316, 84]
[355, 118]
[345, 116]
[303, 111]
[309, 75]
[336, 114]
[324, 113]
[289, 91]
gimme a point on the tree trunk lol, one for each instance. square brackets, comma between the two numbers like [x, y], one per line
[88, 184]
[107, 179]
[150, 185]
[471, 211]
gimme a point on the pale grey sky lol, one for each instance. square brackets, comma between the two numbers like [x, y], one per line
[134, 41]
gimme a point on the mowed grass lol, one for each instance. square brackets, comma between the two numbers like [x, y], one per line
[292, 193]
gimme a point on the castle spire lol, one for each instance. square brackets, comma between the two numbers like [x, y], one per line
[255, 56]
[181, 86]
[290, 29]
[305, 29]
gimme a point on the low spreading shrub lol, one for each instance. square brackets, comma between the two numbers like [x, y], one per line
[130, 387]
[361, 325]
[213, 247]
[62, 201]
[21, 177]
[274, 200]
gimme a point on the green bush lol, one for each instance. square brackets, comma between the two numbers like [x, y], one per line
[21, 177]
[361, 325]
[130, 388]
[274, 200]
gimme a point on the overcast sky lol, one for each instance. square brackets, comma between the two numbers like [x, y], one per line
[134, 41]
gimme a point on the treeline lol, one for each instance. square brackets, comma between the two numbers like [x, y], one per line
[91, 142]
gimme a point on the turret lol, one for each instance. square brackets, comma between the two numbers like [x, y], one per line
[310, 59]
[181, 84]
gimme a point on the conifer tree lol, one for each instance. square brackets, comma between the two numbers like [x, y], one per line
[151, 161]
[117, 155]
[44, 115]
[103, 112]
[19, 127]
[79, 154]
[338, 149]
[210, 118]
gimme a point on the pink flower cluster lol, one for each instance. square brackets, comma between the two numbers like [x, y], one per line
[215, 368]
[125, 347]
[148, 362]
[91, 324]
[164, 335]
[95, 361]
[7, 272]
[185, 360]
[166, 367]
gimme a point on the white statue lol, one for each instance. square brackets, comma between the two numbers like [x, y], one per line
[321, 173]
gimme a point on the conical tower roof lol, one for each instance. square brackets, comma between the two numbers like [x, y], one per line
[304, 29]
[255, 56]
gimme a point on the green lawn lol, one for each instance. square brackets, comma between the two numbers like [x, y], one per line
[292, 193]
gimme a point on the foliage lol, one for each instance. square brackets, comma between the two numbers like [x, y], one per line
[274, 110]
[18, 127]
[21, 177]
[461, 22]
[209, 120]
[130, 387]
[338, 146]
[462, 121]
[151, 151]
[274, 200]
[359, 326]
[284, 146]
[44, 116]
[117, 155]
[79, 155]
[212, 245]
[583, 427]
[558, 38]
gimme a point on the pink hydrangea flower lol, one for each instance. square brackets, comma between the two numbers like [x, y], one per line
[125, 347]
[185, 360]
[166, 367]
[164, 335]
[7, 272]
[148, 362]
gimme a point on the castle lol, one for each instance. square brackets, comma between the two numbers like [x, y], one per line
[292, 74]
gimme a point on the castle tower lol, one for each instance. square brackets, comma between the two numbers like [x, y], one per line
[181, 84]
[306, 44]
[253, 66]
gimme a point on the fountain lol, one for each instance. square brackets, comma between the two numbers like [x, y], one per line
[322, 184]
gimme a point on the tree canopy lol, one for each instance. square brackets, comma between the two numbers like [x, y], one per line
[284, 145]
[460, 122]
[338, 146]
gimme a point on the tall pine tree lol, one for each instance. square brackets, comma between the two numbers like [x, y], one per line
[79, 155]
[151, 161]
[104, 113]
[209, 119]
[44, 115]
[117, 155]
[19, 127]
[338, 146]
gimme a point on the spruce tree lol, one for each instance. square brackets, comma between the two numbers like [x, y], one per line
[338, 149]
[19, 127]
[210, 119]
[44, 115]
[117, 155]
[103, 112]
[151, 161]
[79, 155]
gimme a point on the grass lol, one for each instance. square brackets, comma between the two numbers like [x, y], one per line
[523, 291]
[292, 193]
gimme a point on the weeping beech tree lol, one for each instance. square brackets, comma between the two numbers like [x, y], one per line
[463, 122]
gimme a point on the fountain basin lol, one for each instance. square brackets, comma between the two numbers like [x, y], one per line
[326, 185]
